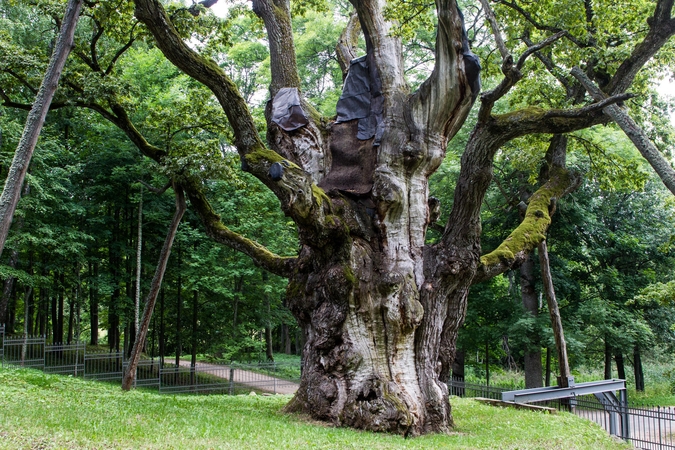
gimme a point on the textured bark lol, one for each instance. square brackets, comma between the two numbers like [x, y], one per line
[36, 117]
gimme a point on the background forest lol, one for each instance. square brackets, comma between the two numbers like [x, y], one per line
[70, 264]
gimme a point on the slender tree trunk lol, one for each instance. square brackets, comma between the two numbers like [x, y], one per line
[61, 308]
[78, 312]
[487, 363]
[54, 308]
[620, 366]
[179, 307]
[299, 341]
[28, 311]
[71, 320]
[286, 339]
[11, 313]
[44, 307]
[269, 353]
[29, 302]
[554, 312]
[155, 286]
[162, 333]
[8, 287]
[195, 324]
[633, 131]
[139, 245]
[637, 370]
[548, 367]
[458, 371]
[533, 369]
[36, 117]
[608, 360]
[93, 303]
[26, 323]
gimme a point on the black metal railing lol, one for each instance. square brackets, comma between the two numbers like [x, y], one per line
[645, 427]
[77, 360]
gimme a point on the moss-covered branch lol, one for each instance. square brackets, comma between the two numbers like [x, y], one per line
[531, 231]
[279, 265]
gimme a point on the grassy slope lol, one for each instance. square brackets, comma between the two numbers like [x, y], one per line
[46, 411]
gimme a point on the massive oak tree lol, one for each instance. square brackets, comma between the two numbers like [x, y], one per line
[380, 308]
[378, 305]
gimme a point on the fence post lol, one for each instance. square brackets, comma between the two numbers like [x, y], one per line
[612, 417]
[658, 419]
[625, 417]
[231, 381]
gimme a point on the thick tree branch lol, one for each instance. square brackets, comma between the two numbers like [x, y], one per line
[633, 131]
[92, 45]
[282, 266]
[445, 98]
[277, 18]
[154, 189]
[661, 28]
[532, 229]
[347, 43]
[496, 32]
[215, 228]
[207, 72]
[552, 121]
[382, 45]
[299, 199]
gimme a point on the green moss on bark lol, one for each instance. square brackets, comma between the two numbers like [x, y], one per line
[320, 195]
[532, 229]
[263, 154]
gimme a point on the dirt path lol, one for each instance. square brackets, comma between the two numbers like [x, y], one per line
[254, 380]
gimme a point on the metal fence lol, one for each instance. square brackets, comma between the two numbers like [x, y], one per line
[23, 352]
[229, 378]
[645, 427]
[64, 359]
[218, 377]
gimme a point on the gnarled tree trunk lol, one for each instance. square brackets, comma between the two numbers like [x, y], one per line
[379, 310]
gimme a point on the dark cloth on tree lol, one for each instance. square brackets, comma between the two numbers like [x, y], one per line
[362, 99]
[287, 110]
[353, 161]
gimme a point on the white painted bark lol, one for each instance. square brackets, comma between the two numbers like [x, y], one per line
[36, 117]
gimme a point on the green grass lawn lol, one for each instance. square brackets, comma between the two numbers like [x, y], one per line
[47, 411]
